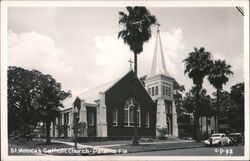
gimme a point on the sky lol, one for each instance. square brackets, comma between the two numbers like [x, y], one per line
[80, 48]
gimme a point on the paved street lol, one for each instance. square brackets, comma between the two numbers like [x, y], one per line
[204, 151]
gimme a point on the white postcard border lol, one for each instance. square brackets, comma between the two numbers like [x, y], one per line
[4, 28]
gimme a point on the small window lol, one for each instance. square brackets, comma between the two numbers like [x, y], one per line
[156, 90]
[149, 91]
[66, 118]
[169, 91]
[163, 90]
[115, 117]
[166, 88]
[153, 91]
[147, 120]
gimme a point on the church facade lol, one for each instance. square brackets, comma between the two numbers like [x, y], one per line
[108, 110]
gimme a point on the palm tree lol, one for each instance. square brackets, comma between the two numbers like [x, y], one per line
[218, 76]
[136, 31]
[197, 65]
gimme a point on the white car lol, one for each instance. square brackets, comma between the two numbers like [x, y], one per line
[218, 139]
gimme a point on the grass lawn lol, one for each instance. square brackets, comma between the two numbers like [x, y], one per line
[156, 147]
[128, 141]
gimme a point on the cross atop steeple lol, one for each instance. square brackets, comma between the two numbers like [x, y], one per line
[130, 63]
[158, 64]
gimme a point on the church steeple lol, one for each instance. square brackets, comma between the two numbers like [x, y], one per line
[159, 85]
[158, 64]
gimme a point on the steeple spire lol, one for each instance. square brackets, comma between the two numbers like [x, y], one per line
[158, 64]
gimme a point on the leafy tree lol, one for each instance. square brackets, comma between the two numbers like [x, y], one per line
[185, 120]
[33, 97]
[136, 31]
[22, 93]
[205, 110]
[197, 65]
[237, 111]
[237, 93]
[49, 99]
[218, 76]
[189, 103]
[178, 91]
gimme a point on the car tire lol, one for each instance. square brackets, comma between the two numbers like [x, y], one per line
[220, 144]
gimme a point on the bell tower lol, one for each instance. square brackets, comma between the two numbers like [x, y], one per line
[159, 85]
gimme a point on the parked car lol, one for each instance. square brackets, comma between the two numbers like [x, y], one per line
[218, 139]
[236, 138]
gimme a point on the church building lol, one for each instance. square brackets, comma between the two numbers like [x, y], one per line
[108, 110]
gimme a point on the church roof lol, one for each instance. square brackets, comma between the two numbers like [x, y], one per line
[158, 64]
[92, 95]
[67, 103]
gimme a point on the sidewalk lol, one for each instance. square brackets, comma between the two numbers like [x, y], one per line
[113, 147]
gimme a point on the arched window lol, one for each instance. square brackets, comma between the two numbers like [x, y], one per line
[129, 112]
[156, 90]
[153, 91]
[147, 120]
[114, 117]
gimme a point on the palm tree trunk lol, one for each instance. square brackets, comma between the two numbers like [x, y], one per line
[47, 131]
[206, 127]
[217, 109]
[196, 116]
[135, 138]
[135, 63]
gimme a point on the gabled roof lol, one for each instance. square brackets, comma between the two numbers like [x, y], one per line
[67, 103]
[92, 95]
[158, 64]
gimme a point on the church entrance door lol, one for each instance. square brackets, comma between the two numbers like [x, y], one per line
[91, 119]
